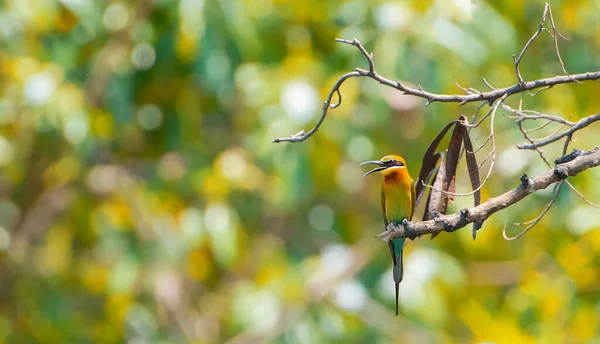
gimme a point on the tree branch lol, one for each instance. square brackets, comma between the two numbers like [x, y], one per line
[582, 123]
[575, 163]
[490, 96]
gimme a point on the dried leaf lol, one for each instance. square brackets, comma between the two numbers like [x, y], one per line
[473, 175]
[430, 160]
[452, 159]
[432, 208]
[433, 172]
[427, 215]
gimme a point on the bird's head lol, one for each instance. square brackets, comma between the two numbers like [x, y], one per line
[388, 164]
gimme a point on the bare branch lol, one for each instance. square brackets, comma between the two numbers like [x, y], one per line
[540, 90]
[517, 59]
[549, 165]
[333, 106]
[471, 96]
[488, 84]
[555, 192]
[539, 128]
[369, 56]
[537, 115]
[582, 123]
[301, 136]
[453, 222]
[583, 198]
[483, 144]
[555, 36]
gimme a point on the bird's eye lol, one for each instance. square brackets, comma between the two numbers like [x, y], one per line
[389, 161]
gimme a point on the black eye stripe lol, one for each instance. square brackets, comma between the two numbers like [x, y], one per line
[393, 162]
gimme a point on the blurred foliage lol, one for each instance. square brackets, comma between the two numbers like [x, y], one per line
[143, 201]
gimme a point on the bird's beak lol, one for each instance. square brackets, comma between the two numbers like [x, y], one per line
[381, 167]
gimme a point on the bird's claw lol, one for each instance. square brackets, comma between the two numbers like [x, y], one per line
[409, 233]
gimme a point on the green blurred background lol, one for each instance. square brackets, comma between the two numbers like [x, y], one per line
[142, 201]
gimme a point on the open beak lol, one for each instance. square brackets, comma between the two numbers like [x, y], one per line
[381, 167]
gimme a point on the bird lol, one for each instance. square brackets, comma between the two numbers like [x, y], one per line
[397, 203]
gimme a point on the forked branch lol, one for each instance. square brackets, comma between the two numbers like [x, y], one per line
[471, 94]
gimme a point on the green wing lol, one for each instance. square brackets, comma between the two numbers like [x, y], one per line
[383, 208]
[391, 242]
[413, 199]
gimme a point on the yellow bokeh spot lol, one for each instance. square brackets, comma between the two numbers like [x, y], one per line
[576, 262]
[118, 213]
[69, 99]
[550, 305]
[25, 67]
[66, 20]
[116, 307]
[102, 125]
[186, 47]
[214, 186]
[55, 256]
[299, 66]
[272, 272]
[593, 239]
[94, 277]
[569, 15]
[199, 265]
[584, 323]
[65, 170]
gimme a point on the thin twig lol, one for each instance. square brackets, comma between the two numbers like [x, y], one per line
[462, 88]
[555, 36]
[369, 56]
[541, 154]
[301, 136]
[582, 123]
[540, 90]
[475, 125]
[550, 135]
[485, 159]
[523, 114]
[488, 84]
[555, 192]
[582, 196]
[532, 223]
[483, 145]
[517, 60]
[333, 106]
[540, 127]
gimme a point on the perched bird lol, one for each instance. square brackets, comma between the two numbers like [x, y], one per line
[397, 203]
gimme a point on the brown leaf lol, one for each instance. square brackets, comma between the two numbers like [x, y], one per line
[436, 156]
[432, 207]
[473, 174]
[430, 160]
[452, 158]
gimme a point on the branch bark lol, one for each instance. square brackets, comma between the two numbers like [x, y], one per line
[573, 164]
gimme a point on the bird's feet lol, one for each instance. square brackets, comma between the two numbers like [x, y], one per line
[412, 235]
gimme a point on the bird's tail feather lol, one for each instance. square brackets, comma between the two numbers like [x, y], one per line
[396, 248]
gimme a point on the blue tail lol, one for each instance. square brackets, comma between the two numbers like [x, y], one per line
[396, 248]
